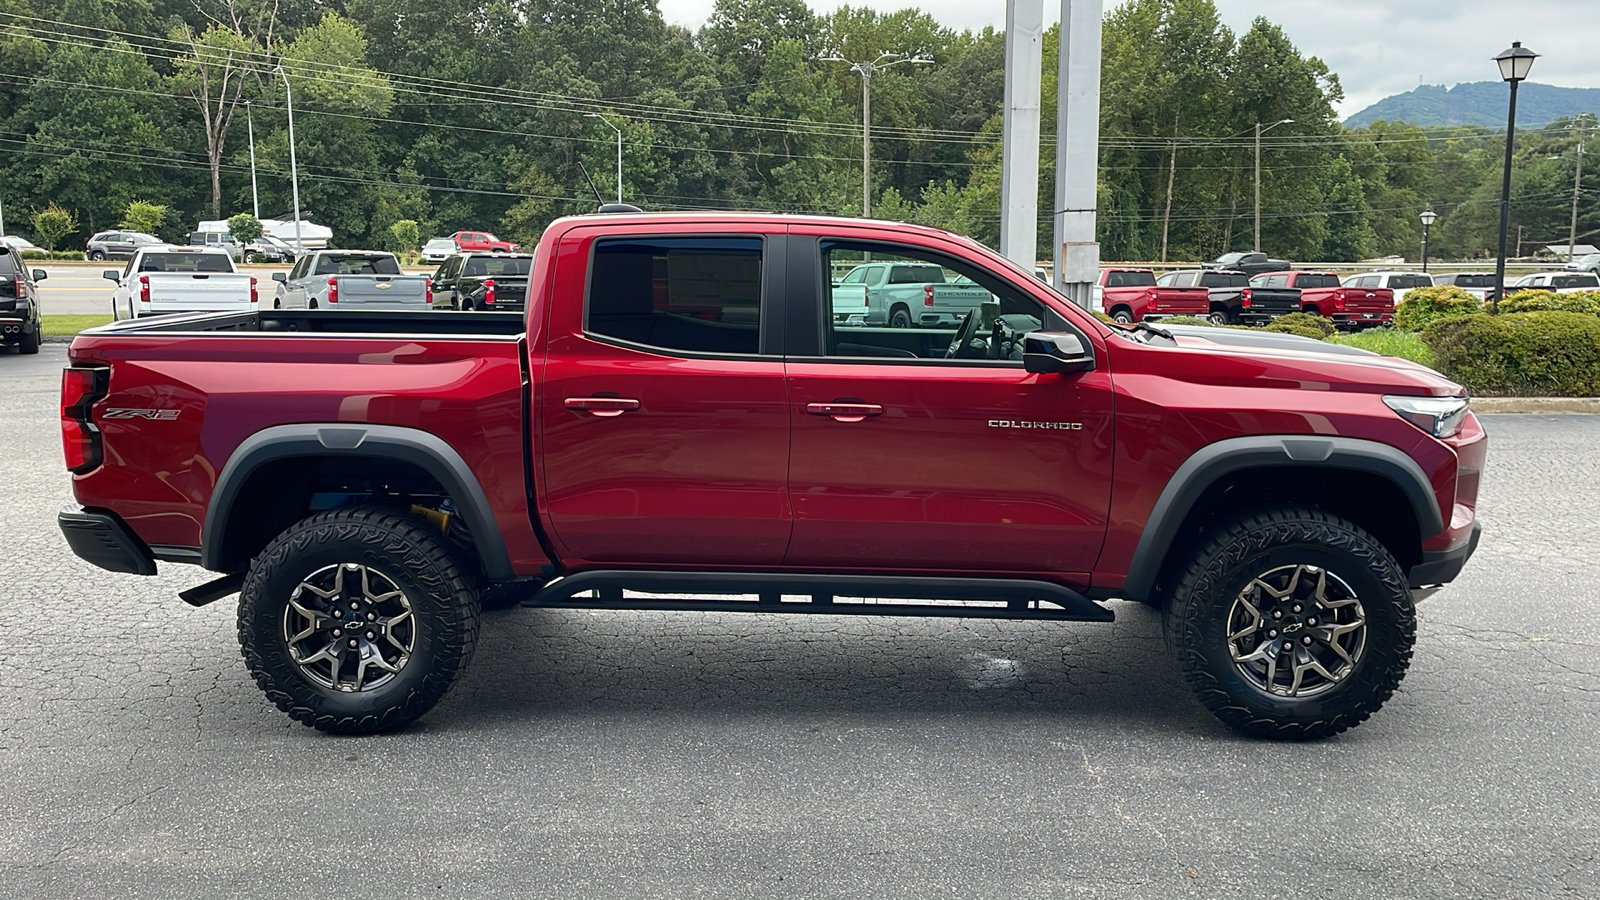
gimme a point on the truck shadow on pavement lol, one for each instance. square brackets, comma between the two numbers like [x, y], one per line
[532, 662]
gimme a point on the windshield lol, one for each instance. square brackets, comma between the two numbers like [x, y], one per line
[439, 244]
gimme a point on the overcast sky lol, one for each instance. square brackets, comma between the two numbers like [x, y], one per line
[1378, 47]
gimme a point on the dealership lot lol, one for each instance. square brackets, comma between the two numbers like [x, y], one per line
[594, 754]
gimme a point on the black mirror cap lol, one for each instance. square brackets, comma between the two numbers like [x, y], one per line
[1044, 352]
[40, 274]
[280, 277]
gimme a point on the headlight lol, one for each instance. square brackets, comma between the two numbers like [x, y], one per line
[1438, 416]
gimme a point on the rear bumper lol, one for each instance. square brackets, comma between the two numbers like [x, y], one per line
[104, 539]
[13, 327]
[1363, 319]
[1442, 566]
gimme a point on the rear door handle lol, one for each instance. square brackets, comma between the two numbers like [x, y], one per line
[604, 407]
[845, 412]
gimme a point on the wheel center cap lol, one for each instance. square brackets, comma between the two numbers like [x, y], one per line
[1291, 627]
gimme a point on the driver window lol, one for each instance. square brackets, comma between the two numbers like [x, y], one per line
[890, 302]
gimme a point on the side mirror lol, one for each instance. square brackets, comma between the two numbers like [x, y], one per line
[111, 275]
[40, 274]
[1055, 351]
[280, 277]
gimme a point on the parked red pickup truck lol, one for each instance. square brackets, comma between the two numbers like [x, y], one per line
[679, 421]
[1322, 295]
[480, 242]
[1132, 295]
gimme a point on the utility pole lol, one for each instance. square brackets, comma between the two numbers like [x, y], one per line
[1259, 132]
[868, 68]
[1019, 153]
[1077, 254]
[294, 172]
[255, 198]
[1577, 180]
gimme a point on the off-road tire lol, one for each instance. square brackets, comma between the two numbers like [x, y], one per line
[410, 555]
[1228, 559]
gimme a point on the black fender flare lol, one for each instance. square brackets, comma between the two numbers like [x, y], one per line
[422, 449]
[1213, 461]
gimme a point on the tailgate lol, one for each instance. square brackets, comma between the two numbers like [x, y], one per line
[1274, 300]
[953, 300]
[1368, 300]
[850, 302]
[172, 292]
[1181, 301]
[381, 291]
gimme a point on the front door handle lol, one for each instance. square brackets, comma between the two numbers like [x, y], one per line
[604, 407]
[845, 412]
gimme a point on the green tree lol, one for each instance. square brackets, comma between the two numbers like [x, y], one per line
[212, 72]
[53, 223]
[1350, 235]
[142, 215]
[244, 228]
[407, 236]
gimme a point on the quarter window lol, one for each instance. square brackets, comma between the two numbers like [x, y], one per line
[701, 295]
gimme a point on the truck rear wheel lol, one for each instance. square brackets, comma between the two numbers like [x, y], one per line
[1291, 623]
[357, 620]
[900, 318]
[1122, 316]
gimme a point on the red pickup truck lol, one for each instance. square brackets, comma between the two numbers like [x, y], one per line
[679, 421]
[480, 242]
[1132, 295]
[1321, 294]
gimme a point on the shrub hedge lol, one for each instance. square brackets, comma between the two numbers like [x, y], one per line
[1530, 353]
[1422, 306]
[1548, 301]
[1303, 324]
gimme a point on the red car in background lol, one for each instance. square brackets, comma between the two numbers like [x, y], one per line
[1132, 295]
[480, 242]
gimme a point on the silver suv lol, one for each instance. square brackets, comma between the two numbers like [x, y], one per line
[118, 244]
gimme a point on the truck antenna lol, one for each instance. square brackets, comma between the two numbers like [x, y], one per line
[597, 198]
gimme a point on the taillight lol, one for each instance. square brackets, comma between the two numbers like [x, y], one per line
[488, 291]
[144, 288]
[1244, 298]
[927, 295]
[427, 291]
[333, 290]
[1338, 300]
[80, 439]
[254, 297]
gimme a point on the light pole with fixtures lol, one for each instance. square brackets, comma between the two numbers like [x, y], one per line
[619, 150]
[250, 126]
[867, 70]
[1577, 181]
[1515, 62]
[294, 172]
[1428, 215]
[1259, 131]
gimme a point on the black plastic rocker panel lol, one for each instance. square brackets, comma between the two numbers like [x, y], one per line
[1023, 599]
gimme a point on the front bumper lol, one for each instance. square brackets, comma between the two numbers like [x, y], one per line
[1439, 567]
[104, 539]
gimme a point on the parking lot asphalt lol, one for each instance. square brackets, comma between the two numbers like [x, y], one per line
[603, 754]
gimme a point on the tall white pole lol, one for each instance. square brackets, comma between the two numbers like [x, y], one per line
[1577, 181]
[1257, 246]
[255, 198]
[1019, 153]
[1077, 253]
[2, 217]
[866, 140]
[294, 172]
[619, 150]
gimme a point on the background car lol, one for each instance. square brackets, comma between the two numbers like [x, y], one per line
[479, 241]
[437, 250]
[1590, 263]
[1478, 284]
[118, 244]
[274, 249]
[19, 244]
[1562, 282]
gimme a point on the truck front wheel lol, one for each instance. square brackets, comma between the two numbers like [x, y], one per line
[1291, 623]
[357, 620]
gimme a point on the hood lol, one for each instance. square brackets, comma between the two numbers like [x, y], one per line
[1310, 363]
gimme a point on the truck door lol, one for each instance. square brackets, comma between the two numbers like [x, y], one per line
[664, 431]
[933, 449]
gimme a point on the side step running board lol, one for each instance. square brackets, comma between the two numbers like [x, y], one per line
[1012, 598]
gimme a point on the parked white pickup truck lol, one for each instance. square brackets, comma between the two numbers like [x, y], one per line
[160, 280]
[904, 294]
[350, 279]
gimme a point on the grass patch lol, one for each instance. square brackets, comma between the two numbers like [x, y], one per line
[1390, 342]
[62, 326]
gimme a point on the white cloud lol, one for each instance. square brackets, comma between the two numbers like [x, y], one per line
[1377, 47]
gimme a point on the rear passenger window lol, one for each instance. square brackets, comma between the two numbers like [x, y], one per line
[701, 295]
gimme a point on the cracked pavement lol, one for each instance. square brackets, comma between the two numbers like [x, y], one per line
[603, 754]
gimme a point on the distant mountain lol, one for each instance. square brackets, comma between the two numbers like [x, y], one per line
[1480, 103]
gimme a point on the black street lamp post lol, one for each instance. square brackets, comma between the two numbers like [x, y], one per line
[1428, 215]
[1514, 65]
